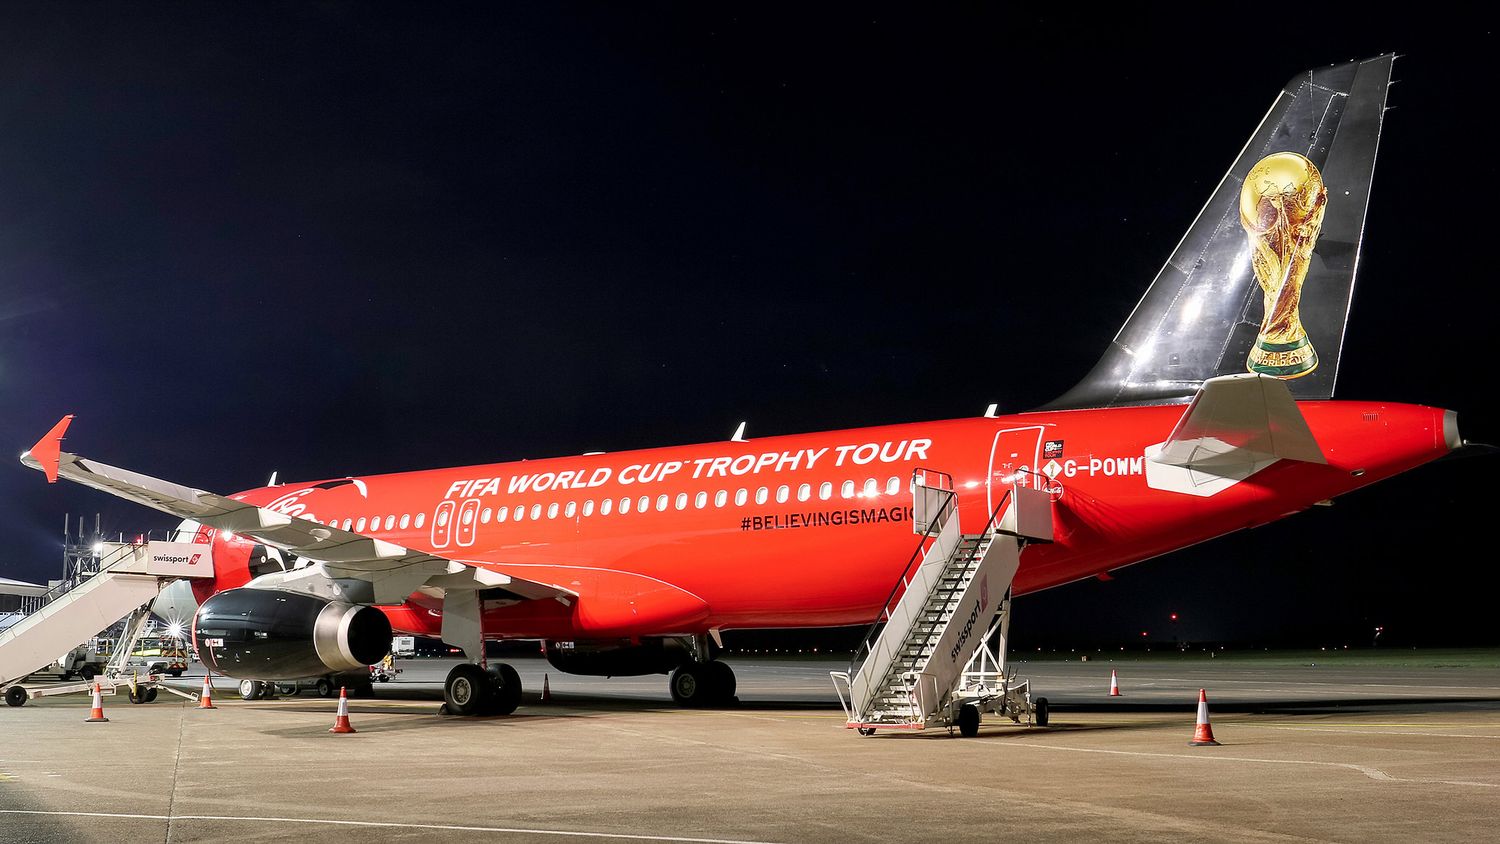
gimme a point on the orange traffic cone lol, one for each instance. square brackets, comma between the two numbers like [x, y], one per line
[1204, 736]
[546, 690]
[206, 700]
[1114, 684]
[97, 714]
[341, 720]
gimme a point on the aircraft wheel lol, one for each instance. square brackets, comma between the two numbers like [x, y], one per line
[968, 720]
[324, 687]
[690, 685]
[251, 689]
[1039, 712]
[466, 689]
[865, 731]
[721, 683]
[15, 696]
[504, 691]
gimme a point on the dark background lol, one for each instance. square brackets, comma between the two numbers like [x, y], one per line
[327, 239]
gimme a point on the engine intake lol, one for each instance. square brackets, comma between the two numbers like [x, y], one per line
[274, 634]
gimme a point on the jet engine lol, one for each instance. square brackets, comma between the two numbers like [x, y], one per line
[617, 658]
[275, 634]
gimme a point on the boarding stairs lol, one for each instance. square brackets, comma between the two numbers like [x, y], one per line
[931, 658]
[129, 577]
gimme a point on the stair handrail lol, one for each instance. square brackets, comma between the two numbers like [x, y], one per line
[125, 550]
[934, 527]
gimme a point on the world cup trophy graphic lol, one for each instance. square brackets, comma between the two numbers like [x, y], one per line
[1281, 207]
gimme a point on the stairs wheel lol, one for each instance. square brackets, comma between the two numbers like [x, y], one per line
[1039, 712]
[151, 694]
[15, 696]
[865, 731]
[968, 720]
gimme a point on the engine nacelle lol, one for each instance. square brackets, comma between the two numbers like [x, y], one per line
[616, 657]
[275, 634]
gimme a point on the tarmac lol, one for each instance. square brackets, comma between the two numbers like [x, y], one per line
[1335, 749]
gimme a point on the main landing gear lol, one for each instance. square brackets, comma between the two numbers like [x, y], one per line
[703, 680]
[471, 690]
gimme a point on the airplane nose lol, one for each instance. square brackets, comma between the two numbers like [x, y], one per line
[1451, 436]
[176, 603]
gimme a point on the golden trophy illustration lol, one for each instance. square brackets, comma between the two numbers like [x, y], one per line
[1281, 208]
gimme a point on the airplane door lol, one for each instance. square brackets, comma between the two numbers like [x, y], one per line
[1015, 450]
[442, 525]
[468, 516]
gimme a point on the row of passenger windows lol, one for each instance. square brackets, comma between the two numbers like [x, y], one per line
[782, 494]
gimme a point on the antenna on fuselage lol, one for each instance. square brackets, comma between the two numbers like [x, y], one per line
[272, 481]
[739, 434]
[992, 411]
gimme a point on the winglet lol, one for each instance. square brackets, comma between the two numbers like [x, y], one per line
[45, 454]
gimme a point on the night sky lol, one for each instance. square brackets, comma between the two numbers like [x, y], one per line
[329, 239]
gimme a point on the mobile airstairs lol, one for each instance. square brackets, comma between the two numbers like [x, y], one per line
[128, 579]
[936, 656]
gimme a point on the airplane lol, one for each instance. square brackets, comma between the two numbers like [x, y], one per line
[1210, 412]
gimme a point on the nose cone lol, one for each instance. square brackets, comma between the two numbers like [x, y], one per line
[176, 603]
[1451, 436]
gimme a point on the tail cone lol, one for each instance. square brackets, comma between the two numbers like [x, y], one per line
[1204, 736]
[97, 714]
[341, 720]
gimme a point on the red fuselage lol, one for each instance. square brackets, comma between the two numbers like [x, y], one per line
[813, 530]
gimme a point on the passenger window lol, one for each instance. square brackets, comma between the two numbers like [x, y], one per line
[467, 516]
[893, 485]
[359, 526]
[644, 504]
[520, 513]
[661, 503]
[484, 516]
[761, 495]
[500, 514]
[846, 490]
[720, 498]
[588, 508]
[700, 500]
[740, 495]
[804, 492]
[536, 512]
[421, 520]
[390, 522]
[405, 520]
[624, 506]
[552, 510]
[681, 501]
[872, 488]
[825, 491]
[349, 524]
[783, 492]
[606, 506]
[571, 509]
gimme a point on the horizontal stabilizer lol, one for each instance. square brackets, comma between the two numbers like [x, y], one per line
[1240, 419]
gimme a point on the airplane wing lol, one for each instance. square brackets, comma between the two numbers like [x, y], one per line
[1240, 419]
[391, 571]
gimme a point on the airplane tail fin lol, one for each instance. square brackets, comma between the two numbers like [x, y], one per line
[1262, 280]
